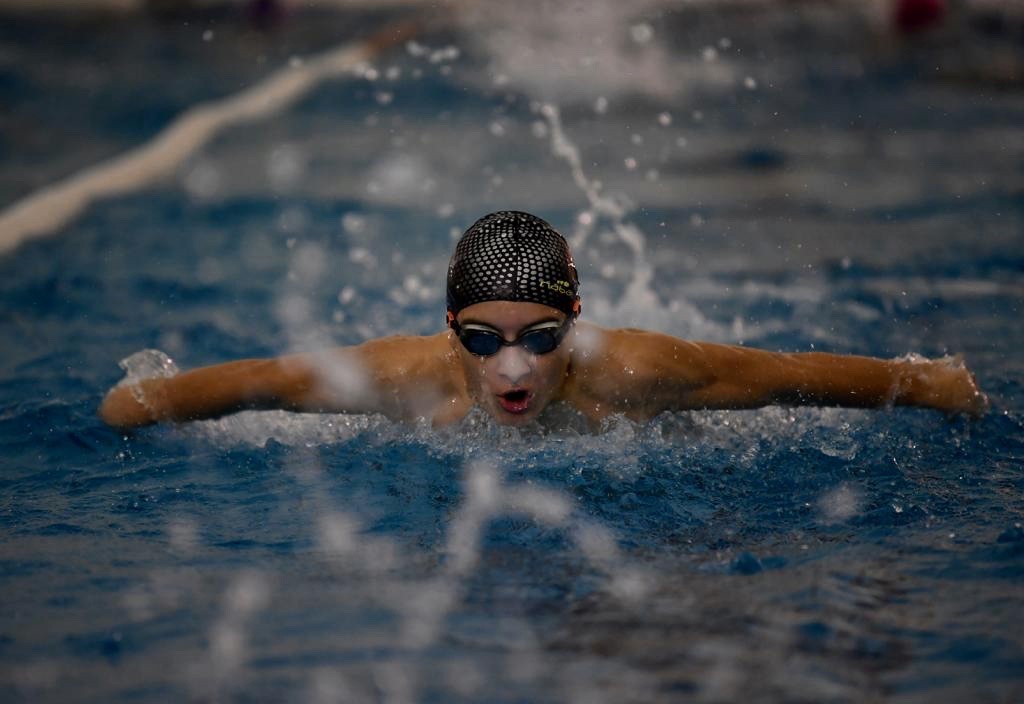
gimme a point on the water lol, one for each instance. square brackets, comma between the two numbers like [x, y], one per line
[844, 199]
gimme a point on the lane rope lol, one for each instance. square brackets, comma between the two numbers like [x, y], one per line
[45, 211]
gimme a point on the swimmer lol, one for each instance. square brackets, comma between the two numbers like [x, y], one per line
[514, 346]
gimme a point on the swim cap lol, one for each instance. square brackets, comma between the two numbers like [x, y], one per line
[512, 256]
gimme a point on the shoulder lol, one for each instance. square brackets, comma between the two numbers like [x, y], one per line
[405, 376]
[636, 352]
[623, 369]
[405, 355]
[405, 344]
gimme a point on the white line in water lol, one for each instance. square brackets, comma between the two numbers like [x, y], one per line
[630, 235]
[43, 212]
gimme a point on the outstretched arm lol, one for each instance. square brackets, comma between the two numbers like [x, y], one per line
[746, 377]
[650, 373]
[399, 376]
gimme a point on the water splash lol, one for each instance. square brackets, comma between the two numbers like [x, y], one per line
[223, 668]
[147, 364]
[840, 504]
[638, 305]
[573, 52]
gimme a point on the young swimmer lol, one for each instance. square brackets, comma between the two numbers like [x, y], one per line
[514, 346]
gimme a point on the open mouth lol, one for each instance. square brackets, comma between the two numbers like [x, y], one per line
[515, 401]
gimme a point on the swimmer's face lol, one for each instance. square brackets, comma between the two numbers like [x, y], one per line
[514, 385]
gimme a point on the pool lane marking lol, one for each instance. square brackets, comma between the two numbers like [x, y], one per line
[46, 210]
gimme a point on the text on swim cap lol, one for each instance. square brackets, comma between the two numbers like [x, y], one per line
[560, 286]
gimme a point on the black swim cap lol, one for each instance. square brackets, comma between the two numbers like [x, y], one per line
[512, 256]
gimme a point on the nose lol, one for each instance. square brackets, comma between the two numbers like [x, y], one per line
[513, 364]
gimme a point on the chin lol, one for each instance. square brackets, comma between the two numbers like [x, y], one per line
[503, 417]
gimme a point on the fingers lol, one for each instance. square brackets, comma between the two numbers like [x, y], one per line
[963, 392]
[122, 409]
[979, 401]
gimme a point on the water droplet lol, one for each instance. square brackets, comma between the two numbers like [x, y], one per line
[362, 256]
[353, 223]
[840, 504]
[203, 180]
[286, 165]
[641, 33]
[294, 219]
[448, 53]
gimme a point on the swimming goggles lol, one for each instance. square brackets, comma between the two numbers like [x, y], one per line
[540, 339]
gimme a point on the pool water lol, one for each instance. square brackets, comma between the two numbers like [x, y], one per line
[777, 179]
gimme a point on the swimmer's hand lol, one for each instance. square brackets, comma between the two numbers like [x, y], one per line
[133, 405]
[945, 384]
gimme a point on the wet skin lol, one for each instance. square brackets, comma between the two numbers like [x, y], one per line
[513, 385]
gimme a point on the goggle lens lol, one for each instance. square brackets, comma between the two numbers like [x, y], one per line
[485, 343]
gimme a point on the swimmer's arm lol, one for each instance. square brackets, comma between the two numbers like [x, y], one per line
[385, 376]
[744, 378]
[672, 374]
[208, 392]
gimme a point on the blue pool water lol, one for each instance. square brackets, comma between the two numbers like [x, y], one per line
[778, 181]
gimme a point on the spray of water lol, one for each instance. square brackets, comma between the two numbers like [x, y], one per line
[639, 305]
[222, 670]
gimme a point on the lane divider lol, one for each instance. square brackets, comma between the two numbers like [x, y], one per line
[47, 210]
